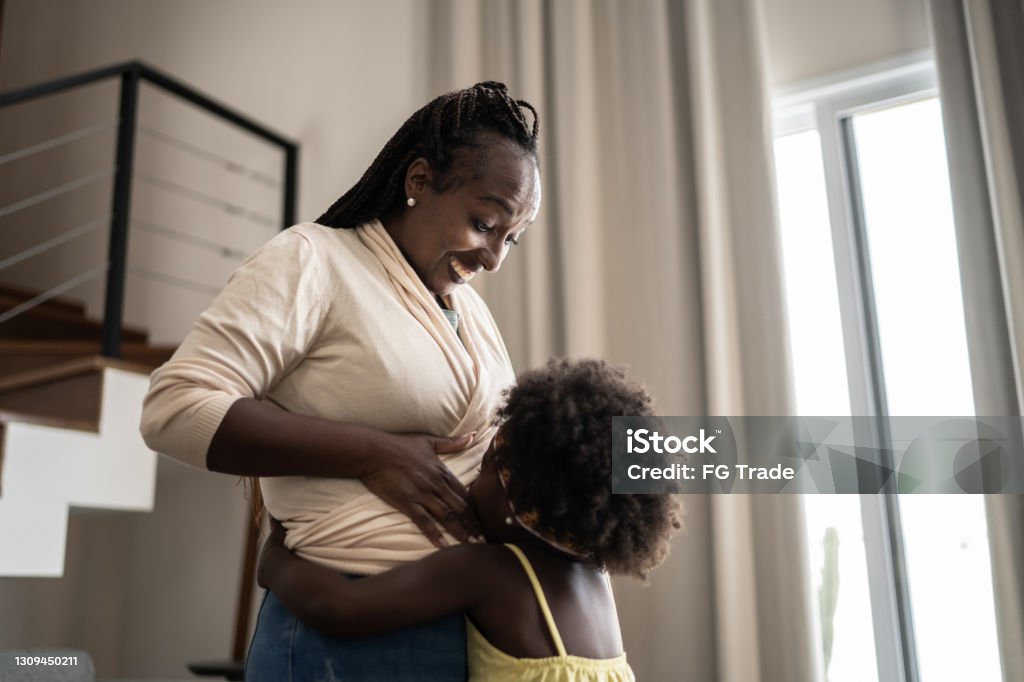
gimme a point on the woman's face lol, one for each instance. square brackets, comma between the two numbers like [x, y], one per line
[449, 237]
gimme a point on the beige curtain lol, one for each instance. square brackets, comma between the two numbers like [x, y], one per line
[657, 248]
[980, 58]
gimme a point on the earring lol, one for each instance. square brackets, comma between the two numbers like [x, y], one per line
[410, 202]
[509, 521]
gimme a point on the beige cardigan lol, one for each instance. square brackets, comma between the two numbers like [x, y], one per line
[334, 324]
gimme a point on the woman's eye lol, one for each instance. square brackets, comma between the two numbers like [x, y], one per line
[482, 227]
[512, 240]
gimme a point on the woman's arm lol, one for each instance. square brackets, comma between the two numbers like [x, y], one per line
[260, 439]
[257, 438]
[204, 405]
[446, 582]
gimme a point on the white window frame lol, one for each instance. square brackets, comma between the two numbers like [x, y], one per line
[826, 105]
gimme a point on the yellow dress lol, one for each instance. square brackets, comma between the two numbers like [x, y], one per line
[487, 662]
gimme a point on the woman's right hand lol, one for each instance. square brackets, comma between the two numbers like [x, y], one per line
[411, 478]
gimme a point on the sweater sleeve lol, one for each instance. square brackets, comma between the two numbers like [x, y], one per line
[258, 328]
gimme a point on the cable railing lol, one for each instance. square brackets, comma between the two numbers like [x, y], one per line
[60, 140]
[57, 190]
[124, 173]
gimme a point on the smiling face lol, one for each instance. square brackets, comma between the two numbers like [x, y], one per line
[451, 235]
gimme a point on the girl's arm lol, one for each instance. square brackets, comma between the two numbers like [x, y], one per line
[445, 582]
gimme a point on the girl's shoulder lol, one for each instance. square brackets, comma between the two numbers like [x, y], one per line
[473, 554]
[482, 565]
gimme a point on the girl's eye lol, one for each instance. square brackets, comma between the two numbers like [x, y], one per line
[512, 240]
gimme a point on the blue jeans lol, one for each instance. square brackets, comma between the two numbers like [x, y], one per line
[283, 649]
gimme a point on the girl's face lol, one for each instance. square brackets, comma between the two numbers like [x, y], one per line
[489, 498]
[487, 495]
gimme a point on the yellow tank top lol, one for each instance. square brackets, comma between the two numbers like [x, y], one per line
[487, 662]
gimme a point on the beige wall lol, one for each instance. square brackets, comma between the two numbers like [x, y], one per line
[808, 39]
[338, 76]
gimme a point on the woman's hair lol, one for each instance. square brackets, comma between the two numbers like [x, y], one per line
[472, 118]
[556, 432]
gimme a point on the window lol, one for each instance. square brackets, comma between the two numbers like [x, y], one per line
[834, 533]
[903, 583]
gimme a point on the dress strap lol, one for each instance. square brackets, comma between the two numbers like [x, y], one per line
[541, 601]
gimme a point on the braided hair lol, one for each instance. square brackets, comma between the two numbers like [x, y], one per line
[455, 120]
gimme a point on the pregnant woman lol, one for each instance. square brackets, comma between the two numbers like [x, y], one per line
[345, 366]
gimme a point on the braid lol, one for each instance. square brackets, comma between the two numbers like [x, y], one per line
[449, 122]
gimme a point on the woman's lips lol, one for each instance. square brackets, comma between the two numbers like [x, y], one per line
[462, 274]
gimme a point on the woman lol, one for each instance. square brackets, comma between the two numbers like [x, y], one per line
[346, 366]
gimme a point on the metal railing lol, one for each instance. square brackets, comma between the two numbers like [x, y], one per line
[131, 74]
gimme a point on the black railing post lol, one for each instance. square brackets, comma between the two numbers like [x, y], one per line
[291, 183]
[113, 311]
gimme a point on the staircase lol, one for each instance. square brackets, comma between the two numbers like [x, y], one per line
[69, 428]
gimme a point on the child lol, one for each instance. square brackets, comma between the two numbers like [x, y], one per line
[538, 602]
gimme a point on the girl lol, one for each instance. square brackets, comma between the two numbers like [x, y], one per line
[537, 599]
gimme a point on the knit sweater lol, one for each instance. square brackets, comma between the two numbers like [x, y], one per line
[334, 323]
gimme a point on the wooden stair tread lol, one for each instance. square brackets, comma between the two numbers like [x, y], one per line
[11, 295]
[73, 392]
[68, 346]
[19, 356]
[51, 372]
[67, 369]
[42, 322]
[44, 375]
[8, 416]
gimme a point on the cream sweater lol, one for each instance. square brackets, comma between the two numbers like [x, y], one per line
[334, 324]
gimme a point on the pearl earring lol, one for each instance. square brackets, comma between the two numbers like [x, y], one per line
[411, 202]
[509, 521]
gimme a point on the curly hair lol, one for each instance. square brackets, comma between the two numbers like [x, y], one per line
[556, 427]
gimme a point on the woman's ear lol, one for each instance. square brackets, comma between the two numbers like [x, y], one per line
[417, 178]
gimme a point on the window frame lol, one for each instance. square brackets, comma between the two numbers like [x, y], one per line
[828, 105]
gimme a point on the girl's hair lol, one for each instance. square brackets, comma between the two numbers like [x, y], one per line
[475, 117]
[556, 428]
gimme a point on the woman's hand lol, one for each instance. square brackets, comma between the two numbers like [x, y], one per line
[412, 479]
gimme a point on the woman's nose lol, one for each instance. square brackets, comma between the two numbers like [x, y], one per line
[492, 256]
